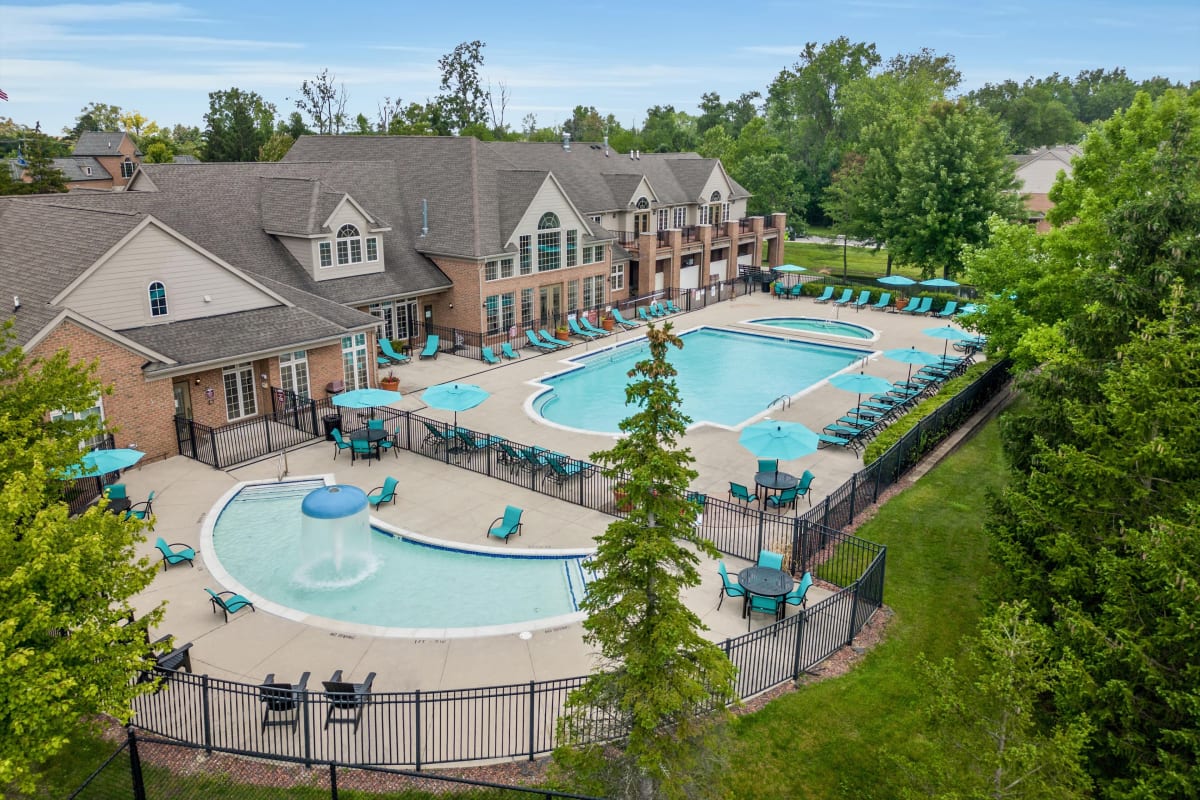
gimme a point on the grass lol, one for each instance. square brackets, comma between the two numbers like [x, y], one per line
[859, 260]
[825, 740]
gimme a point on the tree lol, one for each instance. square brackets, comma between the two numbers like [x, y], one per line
[276, 147]
[157, 152]
[463, 100]
[137, 124]
[294, 126]
[238, 125]
[65, 582]
[953, 175]
[661, 676]
[95, 117]
[324, 103]
[668, 131]
[585, 125]
[44, 177]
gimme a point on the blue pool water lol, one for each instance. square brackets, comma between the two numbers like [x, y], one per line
[725, 377]
[257, 539]
[832, 327]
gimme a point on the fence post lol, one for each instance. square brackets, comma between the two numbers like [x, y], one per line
[795, 542]
[207, 711]
[135, 765]
[825, 514]
[304, 709]
[762, 519]
[417, 731]
[800, 628]
[191, 425]
[532, 717]
[853, 612]
[333, 793]
[267, 431]
[853, 491]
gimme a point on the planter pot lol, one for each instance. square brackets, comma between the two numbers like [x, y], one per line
[391, 384]
[607, 323]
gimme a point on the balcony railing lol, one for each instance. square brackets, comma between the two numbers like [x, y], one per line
[691, 233]
[627, 239]
[745, 225]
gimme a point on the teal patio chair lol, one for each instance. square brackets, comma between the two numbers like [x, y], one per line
[437, 437]
[762, 605]
[797, 596]
[506, 349]
[432, 341]
[472, 443]
[587, 325]
[505, 526]
[885, 300]
[825, 296]
[797, 290]
[740, 493]
[339, 444]
[771, 559]
[376, 424]
[346, 700]
[384, 494]
[913, 302]
[768, 465]
[551, 339]
[950, 310]
[781, 291]
[228, 605]
[804, 487]
[563, 469]
[143, 511]
[922, 307]
[360, 448]
[620, 320]
[115, 491]
[171, 556]
[488, 355]
[845, 298]
[784, 499]
[386, 346]
[509, 456]
[536, 342]
[674, 309]
[864, 297]
[573, 324]
[728, 587]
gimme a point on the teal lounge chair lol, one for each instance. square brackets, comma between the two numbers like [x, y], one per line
[864, 297]
[143, 511]
[922, 307]
[506, 349]
[644, 314]
[228, 605]
[674, 309]
[489, 355]
[437, 437]
[825, 296]
[536, 342]
[384, 494]
[549, 338]
[728, 587]
[590, 328]
[620, 320]
[573, 324]
[505, 526]
[913, 302]
[563, 469]
[382, 361]
[472, 443]
[431, 346]
[386, 346]
[171, 556]
[740, 493]
[950, 309]
[770, 559]
[510, 457]
[797, 596]
[845, 298]
[885, 300]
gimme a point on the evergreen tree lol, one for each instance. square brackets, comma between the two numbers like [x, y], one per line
[44, 177]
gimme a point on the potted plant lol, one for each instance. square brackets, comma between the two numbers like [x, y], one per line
[390, 382]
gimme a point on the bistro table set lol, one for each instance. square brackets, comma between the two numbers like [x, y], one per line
[765, 588]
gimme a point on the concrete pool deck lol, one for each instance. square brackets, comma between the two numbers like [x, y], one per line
[457, 505]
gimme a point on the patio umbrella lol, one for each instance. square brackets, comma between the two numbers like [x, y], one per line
[366, 398]
[861, 383]
[102, 462]
[791, 269]
[940, 283]
[779, 440]
[896, 280]
[454, 397]
[948, 334]
[910, 356]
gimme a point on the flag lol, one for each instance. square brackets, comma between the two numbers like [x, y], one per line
[3, 95]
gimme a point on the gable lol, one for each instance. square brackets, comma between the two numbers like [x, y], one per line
[716, 182]
[549, 198]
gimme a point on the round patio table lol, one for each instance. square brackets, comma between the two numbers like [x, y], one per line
[372, 435]
[764, 582]
[774, 481]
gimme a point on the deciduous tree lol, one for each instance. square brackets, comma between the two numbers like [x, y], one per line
[238, 125]
[95, 117]
[463, 100]
[324, 103]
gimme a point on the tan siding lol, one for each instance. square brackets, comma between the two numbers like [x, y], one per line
[548, 198]
[303, 250]
[116, 294]
[716, 183]
[348, 214]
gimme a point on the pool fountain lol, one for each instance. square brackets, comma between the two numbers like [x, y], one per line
[335, 539]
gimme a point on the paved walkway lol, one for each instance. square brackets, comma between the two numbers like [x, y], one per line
[454, 504]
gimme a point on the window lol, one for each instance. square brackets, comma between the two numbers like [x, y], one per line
[396, 317]
[715, 197]
[595, 219]
[127, 168]
[383, 311]
[526, 255]
[372, 249]
[349, 245]
[158, 299]
[572, 248]
[293, 373]
[499, 308]
[95, 411]
[491, 270]
[593, 291]
[354, 361]
[240, 398]
[506, 268]
[642, 204]
[492, 313]
[588, 254]
[572, 295]
[507, 309]
[526, 306]
[725, 211]
[617, 277]
[326, 253]
[680, 216]
[599, 253]
[664, 219]
[549, 243]
[588, 294]
[705, 215]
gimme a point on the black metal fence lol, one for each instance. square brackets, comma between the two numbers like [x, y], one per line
[82, 493]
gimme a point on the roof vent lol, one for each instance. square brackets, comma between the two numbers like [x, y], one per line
[16, 302]
[606, 145]
[637, 154]
[566, 141]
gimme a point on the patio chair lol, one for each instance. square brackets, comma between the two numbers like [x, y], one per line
[506, 350]
[770, 559]
[505, 526]
[784, 499]
[620, 320]
[844, 300]
[339, 444]
[385, 345]
[360, 447]
[762, 605]
[473, 443]
[171, 556]
[536, 342]
[797, 290]
[644, 314]
[432, 341]
[115, 491]
[796, 597]
[382, 361]
[282, 702]
[488, 355]
[832, 440]
[228, 605]
[923, 306]
[436, 437]
[740, 493]
[864, 297]
[563, 469]
[950, 309]
[674, 309]
[346, 700]
[586, 324]
[546, 336]
[804, 487]
[825, 296]
[885, 300]
[384, 494]
[143, 511]
[768, 465]
[913, 302]
[781, 291]
[510, 457]
[573, 324]
[178, 659]
[728, 587]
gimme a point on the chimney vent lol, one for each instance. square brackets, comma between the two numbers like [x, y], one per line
[424, 217]
[566, 141]
[16, 302]
[606, 145]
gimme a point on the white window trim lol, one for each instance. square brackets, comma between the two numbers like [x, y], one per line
[150, 300]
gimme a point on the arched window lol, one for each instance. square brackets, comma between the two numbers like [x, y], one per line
[715, 197]
[349, 245]
[158, 299]
[549, 243]
[642, 204]
[548, 221]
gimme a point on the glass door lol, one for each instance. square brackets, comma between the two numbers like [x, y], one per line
[551, 304]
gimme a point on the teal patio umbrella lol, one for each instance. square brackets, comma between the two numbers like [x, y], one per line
[454, 397]
[779, 440]
[861, 383]
[940, 283]
[896, 280]
[367, 398]
[910, 356]
[102, 462]
[948, 334]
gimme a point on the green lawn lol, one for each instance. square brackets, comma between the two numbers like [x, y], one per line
[825, 740]
[859, 260]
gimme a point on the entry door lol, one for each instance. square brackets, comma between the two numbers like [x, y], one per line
[551, 303]
[641, 222]
[183, 398]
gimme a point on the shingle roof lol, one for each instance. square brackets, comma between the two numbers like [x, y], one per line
[98, 143]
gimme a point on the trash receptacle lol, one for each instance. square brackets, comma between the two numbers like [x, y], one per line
[331, 421]
[767, 279]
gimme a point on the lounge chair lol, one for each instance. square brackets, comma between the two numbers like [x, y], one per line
[228, 605]
[644, 314]
[573, 324]
[832, 440]
[432, 341]
[586, 324]
[505, 526]
[844, 300]
[488, 355]
[143, 511]
[510, 457]
[770, 559]
[620, 320]
[950, 309]
[386, 346]
[438, 437]
[923, 306]
[740, 493]
[538, 343]
[284, 699]
[472, 443]
[784, 499]
[796, 597]
[382, 361]
[885, 300]
[346, 700]
[864, 297]
[171, 556]
[339, 444]
[547, 336]
[674, 309]
[563, 469]
[825, 296]
[913, 302]
[384, 494]
[804, 487]
[728, 587]
[506, 349]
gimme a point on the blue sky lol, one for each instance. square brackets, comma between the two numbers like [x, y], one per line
[163, 59]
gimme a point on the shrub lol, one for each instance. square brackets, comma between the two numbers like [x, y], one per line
[894, 432]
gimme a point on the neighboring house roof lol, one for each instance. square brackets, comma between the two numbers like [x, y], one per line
[101, 143]
[74, 169]
[185, 159]
[1038, 169]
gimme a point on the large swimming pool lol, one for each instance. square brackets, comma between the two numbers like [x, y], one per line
[413, 587]
[725, 378]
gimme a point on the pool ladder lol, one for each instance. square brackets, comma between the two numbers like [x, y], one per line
[784, 401]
